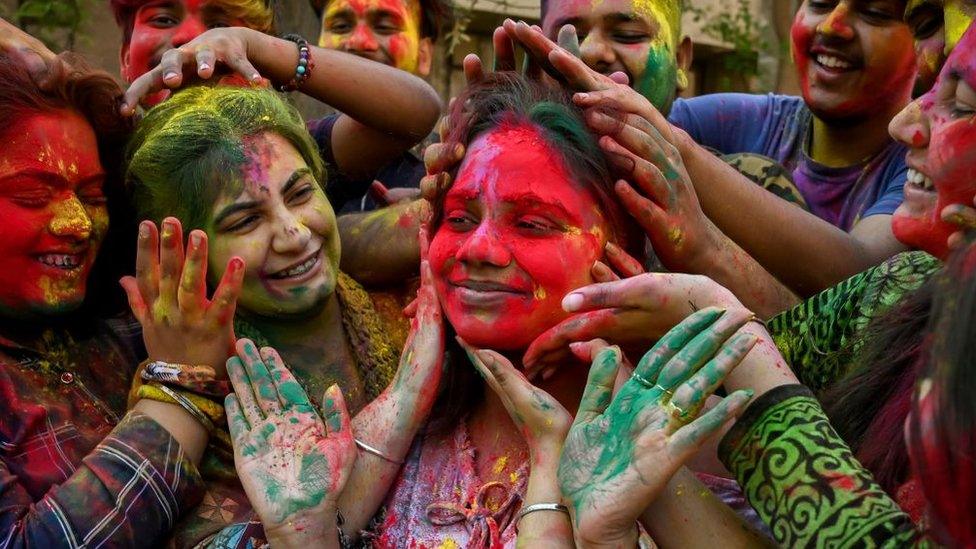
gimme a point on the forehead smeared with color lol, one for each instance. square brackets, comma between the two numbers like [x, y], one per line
[666, 12]
[962, 60]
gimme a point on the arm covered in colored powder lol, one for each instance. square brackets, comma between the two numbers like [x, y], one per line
[803, 480]
[389, 423]
[385, 110]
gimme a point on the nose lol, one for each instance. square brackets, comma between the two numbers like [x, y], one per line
[838, 23]
[187, 30]
[910, 126]
[70, 220]
[291, 235]
[596, 52]
[362, 39]
[484, 247]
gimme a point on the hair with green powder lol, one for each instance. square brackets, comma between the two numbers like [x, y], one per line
[190, 149]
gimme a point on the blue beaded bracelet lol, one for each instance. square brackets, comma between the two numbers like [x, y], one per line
[304, 68]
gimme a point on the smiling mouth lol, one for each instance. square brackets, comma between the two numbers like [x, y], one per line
[298, 270]
[833, 62]
[64, 262]
[919, 181]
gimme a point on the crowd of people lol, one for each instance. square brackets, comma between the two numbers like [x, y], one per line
[565, 308]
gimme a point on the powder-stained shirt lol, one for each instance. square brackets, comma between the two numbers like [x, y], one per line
[350, 195]
[75, 470]
[439, 501]
[778, 126]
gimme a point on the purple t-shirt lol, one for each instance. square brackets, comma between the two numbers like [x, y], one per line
[778, 126]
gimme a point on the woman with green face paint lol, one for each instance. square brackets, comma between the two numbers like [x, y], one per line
[237, 169]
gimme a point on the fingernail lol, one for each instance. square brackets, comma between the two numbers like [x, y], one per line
[255, 77]
[582, 96]
[144, 229]
[612, 248]
[572, 302]
[750, 393]
[169, 76]
[195, 239]
[204, 66]
[548, 374]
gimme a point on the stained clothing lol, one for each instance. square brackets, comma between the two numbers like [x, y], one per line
[349, 195]
[75, 468]
[779, 126]
[439, 501]
[795, 470]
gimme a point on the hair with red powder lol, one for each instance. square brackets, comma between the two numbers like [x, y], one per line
[943, 426]
[504, 98]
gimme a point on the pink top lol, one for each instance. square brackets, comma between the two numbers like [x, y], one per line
[438, 501]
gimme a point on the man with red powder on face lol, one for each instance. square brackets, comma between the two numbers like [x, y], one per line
[397, 33]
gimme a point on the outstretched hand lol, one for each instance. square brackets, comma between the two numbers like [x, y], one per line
[622, 450]
[292, 462]
[168, 297]
[218, 52]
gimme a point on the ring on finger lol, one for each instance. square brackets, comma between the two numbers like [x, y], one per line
[676, 413]
[643, 381]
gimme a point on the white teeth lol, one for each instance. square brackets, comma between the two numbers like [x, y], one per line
[920, 180]
[61, 261]
[297, 270]
[832, 62]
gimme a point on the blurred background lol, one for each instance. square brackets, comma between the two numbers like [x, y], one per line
[740, 45]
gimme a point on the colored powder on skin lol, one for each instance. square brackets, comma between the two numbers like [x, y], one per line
[657, 83]
[956, 23]
[499, 465]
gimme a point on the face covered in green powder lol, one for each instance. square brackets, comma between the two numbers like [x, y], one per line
[641, 38]
[282, 225]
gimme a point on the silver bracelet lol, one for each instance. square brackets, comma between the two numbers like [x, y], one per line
[370, 450]
[540, 507]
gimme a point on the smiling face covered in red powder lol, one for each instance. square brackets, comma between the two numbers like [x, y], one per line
[518, 234]
[855, 58]
[53, 213]
[386, 31]
[940, 128]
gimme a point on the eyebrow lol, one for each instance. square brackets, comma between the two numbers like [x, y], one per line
[251, 204]
[52, 178]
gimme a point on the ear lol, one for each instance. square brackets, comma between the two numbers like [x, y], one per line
[425, 57]
[684, 56]
[124, 62]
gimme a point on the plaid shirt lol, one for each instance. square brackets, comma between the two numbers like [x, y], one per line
[74, 470]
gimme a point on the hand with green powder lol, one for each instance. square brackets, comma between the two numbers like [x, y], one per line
[622, 449]
[292, 462]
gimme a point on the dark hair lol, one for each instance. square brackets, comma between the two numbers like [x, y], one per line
[436, 16]
[868, 407]
[256, 14]
[946, 470]
[95, 95]
[509, 98]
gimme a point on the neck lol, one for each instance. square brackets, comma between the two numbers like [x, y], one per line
[321, 327]
[841, 145]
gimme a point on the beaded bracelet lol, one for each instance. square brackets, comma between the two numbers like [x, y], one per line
[304, 68]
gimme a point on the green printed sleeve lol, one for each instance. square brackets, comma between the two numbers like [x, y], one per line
[803, 480]
[818, 336]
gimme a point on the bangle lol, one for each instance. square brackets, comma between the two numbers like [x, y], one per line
[370, 450]
[304, 68]
[190, 407]
[200, 379]
[539, 507]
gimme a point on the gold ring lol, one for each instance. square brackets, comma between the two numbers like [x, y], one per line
[676, 412]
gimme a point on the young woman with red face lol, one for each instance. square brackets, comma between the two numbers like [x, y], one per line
[76, 468]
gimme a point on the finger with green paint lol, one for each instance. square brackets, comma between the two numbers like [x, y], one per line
[622, 450]
[292, 464]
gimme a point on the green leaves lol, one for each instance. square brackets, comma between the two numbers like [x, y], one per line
[55, 22]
